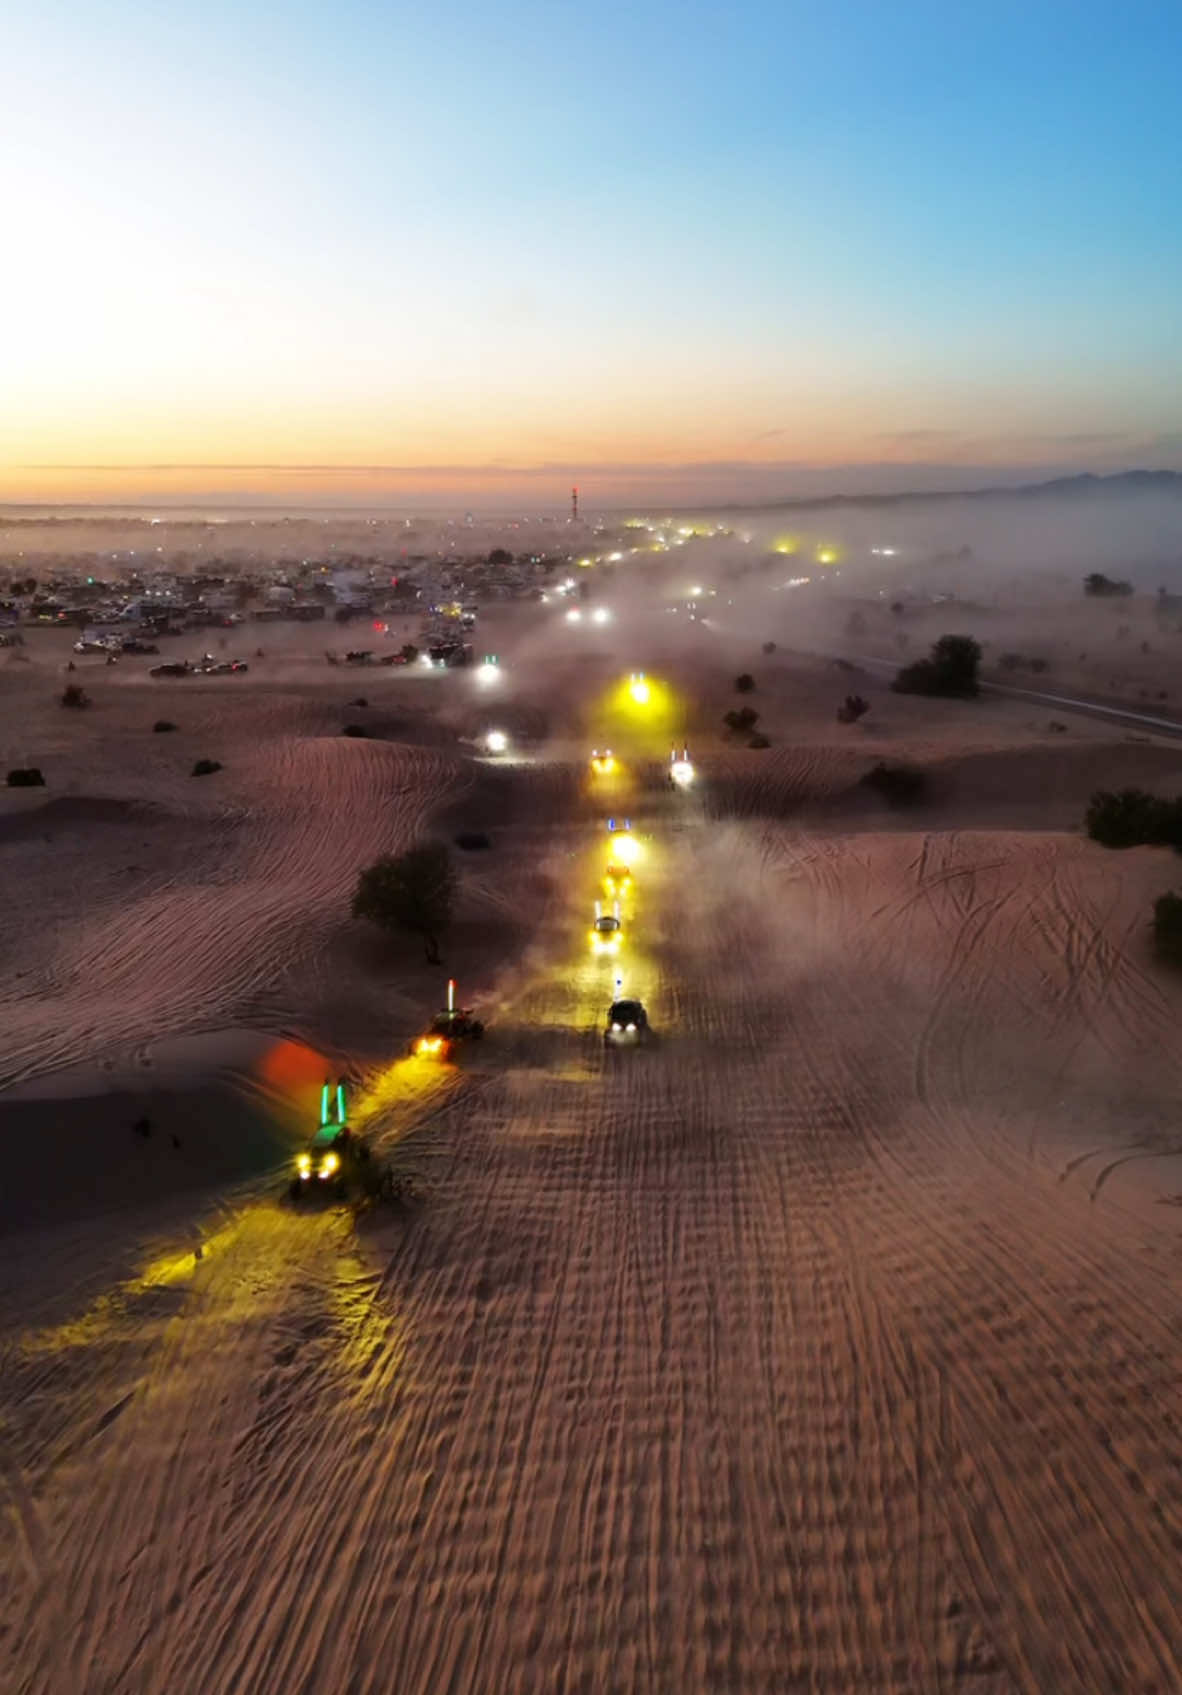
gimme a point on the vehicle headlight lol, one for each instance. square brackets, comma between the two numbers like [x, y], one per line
[304, 1165]
[329, 1164]
[617, 1028]
[630, 1027]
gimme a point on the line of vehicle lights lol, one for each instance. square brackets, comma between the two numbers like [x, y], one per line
[325, 1164]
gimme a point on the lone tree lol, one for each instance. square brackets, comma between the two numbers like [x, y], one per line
[413, 892]
[853, 708]
[74, 698]
[950, 669]
[744, 682]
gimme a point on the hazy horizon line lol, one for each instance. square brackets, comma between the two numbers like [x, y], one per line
[247, 501]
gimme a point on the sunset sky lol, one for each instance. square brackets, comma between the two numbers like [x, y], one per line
[369, 252]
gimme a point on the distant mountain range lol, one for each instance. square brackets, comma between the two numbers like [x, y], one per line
[1085, 485]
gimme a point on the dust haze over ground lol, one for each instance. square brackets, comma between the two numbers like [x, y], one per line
[829, 1342]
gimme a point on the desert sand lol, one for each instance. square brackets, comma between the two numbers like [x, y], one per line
[829, 1344]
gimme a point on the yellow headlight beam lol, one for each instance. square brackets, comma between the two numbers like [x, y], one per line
[626, 850]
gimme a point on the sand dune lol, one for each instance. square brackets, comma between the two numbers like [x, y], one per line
[817, 1346]
[190, 953]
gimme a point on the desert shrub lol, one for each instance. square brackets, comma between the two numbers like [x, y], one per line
[206, 767]
[26, 777]
[1096, 583]
[409, 652]
[162, 726]
[1133, 818]
[950, 669]
[74, 698]
[898, 608]
[758, 740]
[899, 785]
[852, 708]
[360, 701]
[744, 683]
[741, 718]
[769, 647]
[472, 840]
[414, 892]
[354, 730]
[1167, 928]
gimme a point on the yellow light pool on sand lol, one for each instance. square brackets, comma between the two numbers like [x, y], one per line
[639, 691]
[601, 944]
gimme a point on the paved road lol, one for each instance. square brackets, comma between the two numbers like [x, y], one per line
[1066, 703]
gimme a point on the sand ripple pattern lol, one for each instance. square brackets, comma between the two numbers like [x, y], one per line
[196, 951]
[780, 1359]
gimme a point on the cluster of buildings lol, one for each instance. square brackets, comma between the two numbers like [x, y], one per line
[162, 598]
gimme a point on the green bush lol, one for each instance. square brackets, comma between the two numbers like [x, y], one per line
[1167, 928]
[1133, 818]
[950, 669]
[899, 785]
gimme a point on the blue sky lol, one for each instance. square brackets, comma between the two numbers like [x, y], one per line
[455, 243]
